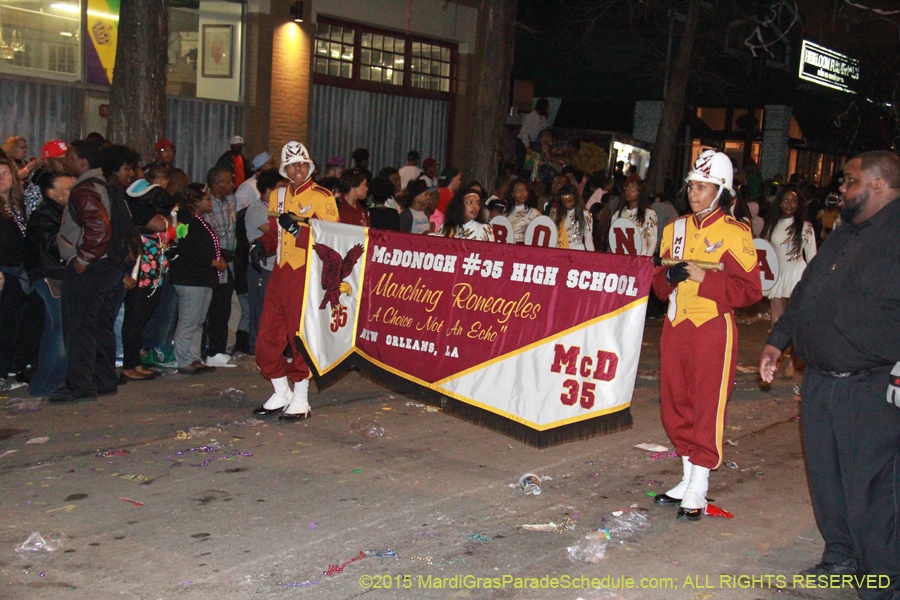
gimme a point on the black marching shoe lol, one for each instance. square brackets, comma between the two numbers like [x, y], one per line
[690, 514]
[847, 567]
[666, 500]
[262, 411]
[295, 416]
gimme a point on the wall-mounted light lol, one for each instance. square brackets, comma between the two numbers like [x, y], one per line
[297, 11]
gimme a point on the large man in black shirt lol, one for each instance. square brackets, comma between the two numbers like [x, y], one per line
[844, 320]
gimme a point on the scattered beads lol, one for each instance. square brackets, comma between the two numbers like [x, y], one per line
[335, 569]
[303, 584]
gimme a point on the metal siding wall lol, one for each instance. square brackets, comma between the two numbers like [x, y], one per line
[200, 130]
[342, 120]
[40, 112]
[45, 111]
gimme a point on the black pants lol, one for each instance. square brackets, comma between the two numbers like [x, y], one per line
[851, 438]
[139, 305]
[218, 316]
[90, 305]
[12, 302]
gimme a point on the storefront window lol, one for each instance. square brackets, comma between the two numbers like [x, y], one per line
[381, 58]
[334, 50]
[40, 37]
[430, 67]
[184, 44]
[355, 53]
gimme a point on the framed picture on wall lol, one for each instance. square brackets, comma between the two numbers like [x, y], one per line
[218, 46]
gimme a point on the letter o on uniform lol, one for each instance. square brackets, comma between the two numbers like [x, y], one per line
[623, 284]
[407, 258]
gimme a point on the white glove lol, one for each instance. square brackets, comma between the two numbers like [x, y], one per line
[893, 390]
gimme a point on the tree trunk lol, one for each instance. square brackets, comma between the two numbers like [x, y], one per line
[492, 63]
[673, 110]
[137, 115]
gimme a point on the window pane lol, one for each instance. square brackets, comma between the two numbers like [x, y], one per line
[365, 73]
[348, 36]
[366, 40]
[321, 47]
[416, 64]
[336, 33]
[323, 30]
[347, 54]
[365, 56]
[398, 77]
[321, 66]
[376, 57]
[435, 83]
[346, 69]
[416, 49]
[377, 41]
[398, 61]
[334, 68]
[445, 85]
[399, 46]
[445, 54]
[445, 69]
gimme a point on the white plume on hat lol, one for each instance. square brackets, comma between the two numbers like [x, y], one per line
[295, 152]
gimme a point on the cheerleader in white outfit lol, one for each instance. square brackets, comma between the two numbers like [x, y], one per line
[794, 241]
[636, 209]
[572, 221]
[465, 220]
[522, 210]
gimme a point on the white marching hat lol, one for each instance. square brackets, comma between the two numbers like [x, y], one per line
[713, 167]
[295, 152]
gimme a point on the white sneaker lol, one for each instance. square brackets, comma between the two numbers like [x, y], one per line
[218, 360]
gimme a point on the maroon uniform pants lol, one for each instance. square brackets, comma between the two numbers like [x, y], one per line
[279, 323]
[697, 366]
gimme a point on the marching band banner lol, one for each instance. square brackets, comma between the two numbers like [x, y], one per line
[543, 337]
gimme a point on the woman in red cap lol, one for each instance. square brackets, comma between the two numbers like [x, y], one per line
[52, 155]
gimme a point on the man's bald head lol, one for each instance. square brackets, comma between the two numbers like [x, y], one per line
[881, 164]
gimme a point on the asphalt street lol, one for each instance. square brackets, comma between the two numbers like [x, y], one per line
[171, 490]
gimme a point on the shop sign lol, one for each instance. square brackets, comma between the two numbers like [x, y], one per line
[829, 68]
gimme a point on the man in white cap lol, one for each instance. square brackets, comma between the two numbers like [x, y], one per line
[247, 193]
[234, 161]
[698, 348]
[287, 240]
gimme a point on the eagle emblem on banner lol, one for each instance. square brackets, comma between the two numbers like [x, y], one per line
[334, 270]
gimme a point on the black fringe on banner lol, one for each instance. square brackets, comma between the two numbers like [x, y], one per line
[604, 424]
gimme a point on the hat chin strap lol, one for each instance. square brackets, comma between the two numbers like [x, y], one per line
[714, 205]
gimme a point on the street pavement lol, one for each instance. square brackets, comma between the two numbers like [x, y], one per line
[272, 507]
